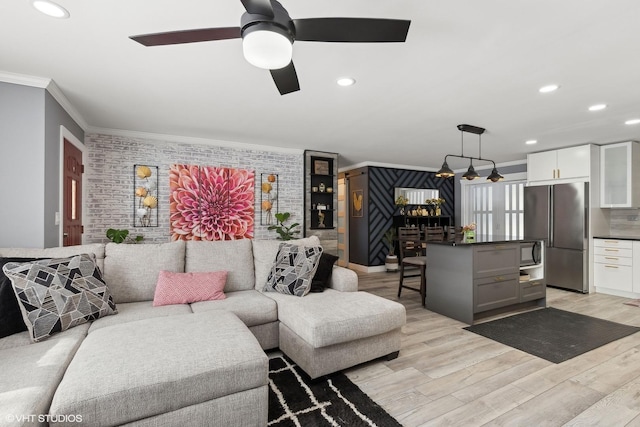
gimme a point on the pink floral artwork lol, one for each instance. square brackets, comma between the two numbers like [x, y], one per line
[211, 203]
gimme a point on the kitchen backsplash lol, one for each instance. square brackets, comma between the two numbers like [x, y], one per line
[624, 222]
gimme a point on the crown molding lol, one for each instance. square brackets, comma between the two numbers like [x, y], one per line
[189, 140]
[50, 86]
[24, 80]
[57, 94]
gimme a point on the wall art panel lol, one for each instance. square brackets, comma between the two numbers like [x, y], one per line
[211, 203]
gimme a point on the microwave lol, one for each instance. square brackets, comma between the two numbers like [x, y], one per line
[530, 253]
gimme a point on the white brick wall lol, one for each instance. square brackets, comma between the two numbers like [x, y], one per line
[108, 190]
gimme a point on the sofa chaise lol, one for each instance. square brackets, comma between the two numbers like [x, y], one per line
[188, 363]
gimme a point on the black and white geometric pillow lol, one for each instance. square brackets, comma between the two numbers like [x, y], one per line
[293, 269]
[57, 294]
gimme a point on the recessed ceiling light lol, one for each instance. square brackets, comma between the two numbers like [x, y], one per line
[632, 122]
[597, 107]
[346, 81]
[531, 142]
[548, 88]
[51, 9]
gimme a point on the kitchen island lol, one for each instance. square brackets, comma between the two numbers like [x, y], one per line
[471, 280]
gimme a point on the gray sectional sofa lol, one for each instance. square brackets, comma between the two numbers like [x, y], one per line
[194, 364]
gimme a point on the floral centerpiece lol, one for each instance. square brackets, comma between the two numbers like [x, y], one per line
[469, 232]
[401, 202]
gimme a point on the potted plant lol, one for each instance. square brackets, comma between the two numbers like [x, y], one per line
[469, 232]
[122, 236]
[391, 261]
[285, 232]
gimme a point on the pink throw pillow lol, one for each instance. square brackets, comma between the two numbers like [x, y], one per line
[185, 288]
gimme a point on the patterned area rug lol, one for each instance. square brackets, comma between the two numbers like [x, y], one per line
[552, 334]
[334, 401]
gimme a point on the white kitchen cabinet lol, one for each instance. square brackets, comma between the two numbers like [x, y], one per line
[562, 164]
[613, 266]
[620, 175]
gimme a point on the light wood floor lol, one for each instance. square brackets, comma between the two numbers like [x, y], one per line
[446, 376]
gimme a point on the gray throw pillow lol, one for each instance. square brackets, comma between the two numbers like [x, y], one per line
[293, 269]
[60, 293]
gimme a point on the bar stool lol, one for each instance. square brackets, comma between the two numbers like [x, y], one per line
[412, 256]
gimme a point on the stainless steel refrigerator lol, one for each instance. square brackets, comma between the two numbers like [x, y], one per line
[560, 215]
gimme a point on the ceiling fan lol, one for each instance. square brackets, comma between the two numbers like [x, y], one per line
[268, 33]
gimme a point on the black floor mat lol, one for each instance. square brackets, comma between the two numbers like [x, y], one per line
[552, 334]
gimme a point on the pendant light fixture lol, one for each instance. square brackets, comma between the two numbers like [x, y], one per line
[471, 174]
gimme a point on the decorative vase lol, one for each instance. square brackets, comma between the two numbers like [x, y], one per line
[391, 263]
[469, 236]
[401, 210]
[438, 211]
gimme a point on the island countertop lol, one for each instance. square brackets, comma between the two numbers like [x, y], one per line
[483, 240]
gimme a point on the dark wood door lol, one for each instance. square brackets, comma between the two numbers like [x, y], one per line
[72, 200]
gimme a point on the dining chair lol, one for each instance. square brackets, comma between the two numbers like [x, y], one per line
[434, 234]
[412, 256]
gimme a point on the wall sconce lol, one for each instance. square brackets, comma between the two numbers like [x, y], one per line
[145, 196]
[471, 174]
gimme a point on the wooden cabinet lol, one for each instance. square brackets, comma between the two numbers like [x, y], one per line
[495, 292]
[321, 199]
[497, 281]
[613, 266]
[532, 290]
[495, 276]
[620, 175]
[495, 260]
[562, 164]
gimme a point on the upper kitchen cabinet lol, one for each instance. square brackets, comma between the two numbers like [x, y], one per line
[572, 163]
[620, 175]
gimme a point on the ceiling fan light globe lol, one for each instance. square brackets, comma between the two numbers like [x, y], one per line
[267, 49]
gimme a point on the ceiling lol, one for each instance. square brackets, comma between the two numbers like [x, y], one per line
[464, 61]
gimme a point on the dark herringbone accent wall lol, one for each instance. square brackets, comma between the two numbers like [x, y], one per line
[382, 182]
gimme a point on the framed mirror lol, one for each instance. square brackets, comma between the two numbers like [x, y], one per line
[416, 196]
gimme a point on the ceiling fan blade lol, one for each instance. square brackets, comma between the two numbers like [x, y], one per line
[286, 79]
[259, 7]
[188, 36]
[351, 30]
